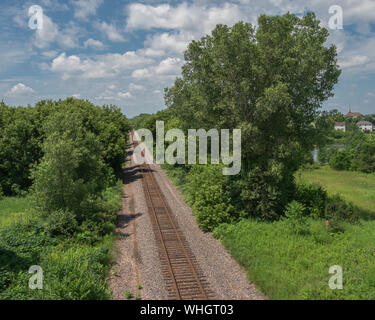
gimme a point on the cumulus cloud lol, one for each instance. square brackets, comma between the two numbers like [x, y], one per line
[104, 66]
[110, 31]
[110, 94]
[354, 61]
[20, 90]
[133, 86]
[93, 44]
[166, 43]
[50, 33]
[86, 8]
[168, 69]
[183, 17]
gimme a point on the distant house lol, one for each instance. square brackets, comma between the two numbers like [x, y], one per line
[365, 126]
[340, 126]
[351, 114]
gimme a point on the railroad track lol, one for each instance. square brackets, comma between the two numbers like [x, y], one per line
[184, 279]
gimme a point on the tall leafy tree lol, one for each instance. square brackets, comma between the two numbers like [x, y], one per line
[72, 168]
[269, 81]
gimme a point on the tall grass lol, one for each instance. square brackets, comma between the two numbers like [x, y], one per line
[356, 187]
[286, 265]
[13, 209]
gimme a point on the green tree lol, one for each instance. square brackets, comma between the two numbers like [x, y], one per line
[341, 160]
[365, 160]
[72, 170]
[268, 81]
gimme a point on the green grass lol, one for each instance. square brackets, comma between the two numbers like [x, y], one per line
[74, 267]
[291, 266]
[12, 209]
[358, 188]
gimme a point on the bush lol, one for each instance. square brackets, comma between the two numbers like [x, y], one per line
[294, 213]
[61, 223]
[208, 194]
[337, 211]
[340, 160]
[76, 273]
[319, 233]
[365, 160]
[313, 197]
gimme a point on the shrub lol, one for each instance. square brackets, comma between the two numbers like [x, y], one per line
[319, 233]
[61, 223]
[209, 196]
[313, 197]
[340, 160]
[365, 160]
[294, 213]
[337, 211]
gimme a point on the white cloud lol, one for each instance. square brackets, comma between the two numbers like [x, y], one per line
[20, 90]
[110, 31]
[104, 66]
[86, 8]
[168, 68]
[354, 61]
[169, 43]
[93, 43]
[109, 94]
[133, 86]
[66, 38]
[185, 17]
[124, 95]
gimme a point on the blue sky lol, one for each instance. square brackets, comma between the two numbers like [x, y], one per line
[126, 52]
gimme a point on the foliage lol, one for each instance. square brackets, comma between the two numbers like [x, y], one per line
[268, 81]
[13, 208]
[295, 266]
[338, 209]
[365, 159]
[208, 194]
[79, 148]
[61, 223]
[128, 294]
[313, 197]
[73, 268]
[72, 169]
[297, 220]
[355, 187]
[22, 133]
[340, 160]
[325, 154]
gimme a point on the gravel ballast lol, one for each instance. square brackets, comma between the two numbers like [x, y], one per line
[137, 252]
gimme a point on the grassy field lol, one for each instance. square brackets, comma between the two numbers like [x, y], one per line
[286, 265]
[12, 209]
[358, 188]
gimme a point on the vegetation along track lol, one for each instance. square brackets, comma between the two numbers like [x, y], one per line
[184, 279]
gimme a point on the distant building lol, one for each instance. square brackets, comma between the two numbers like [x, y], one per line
[365, 126]
[353, 114]
[340, 126]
